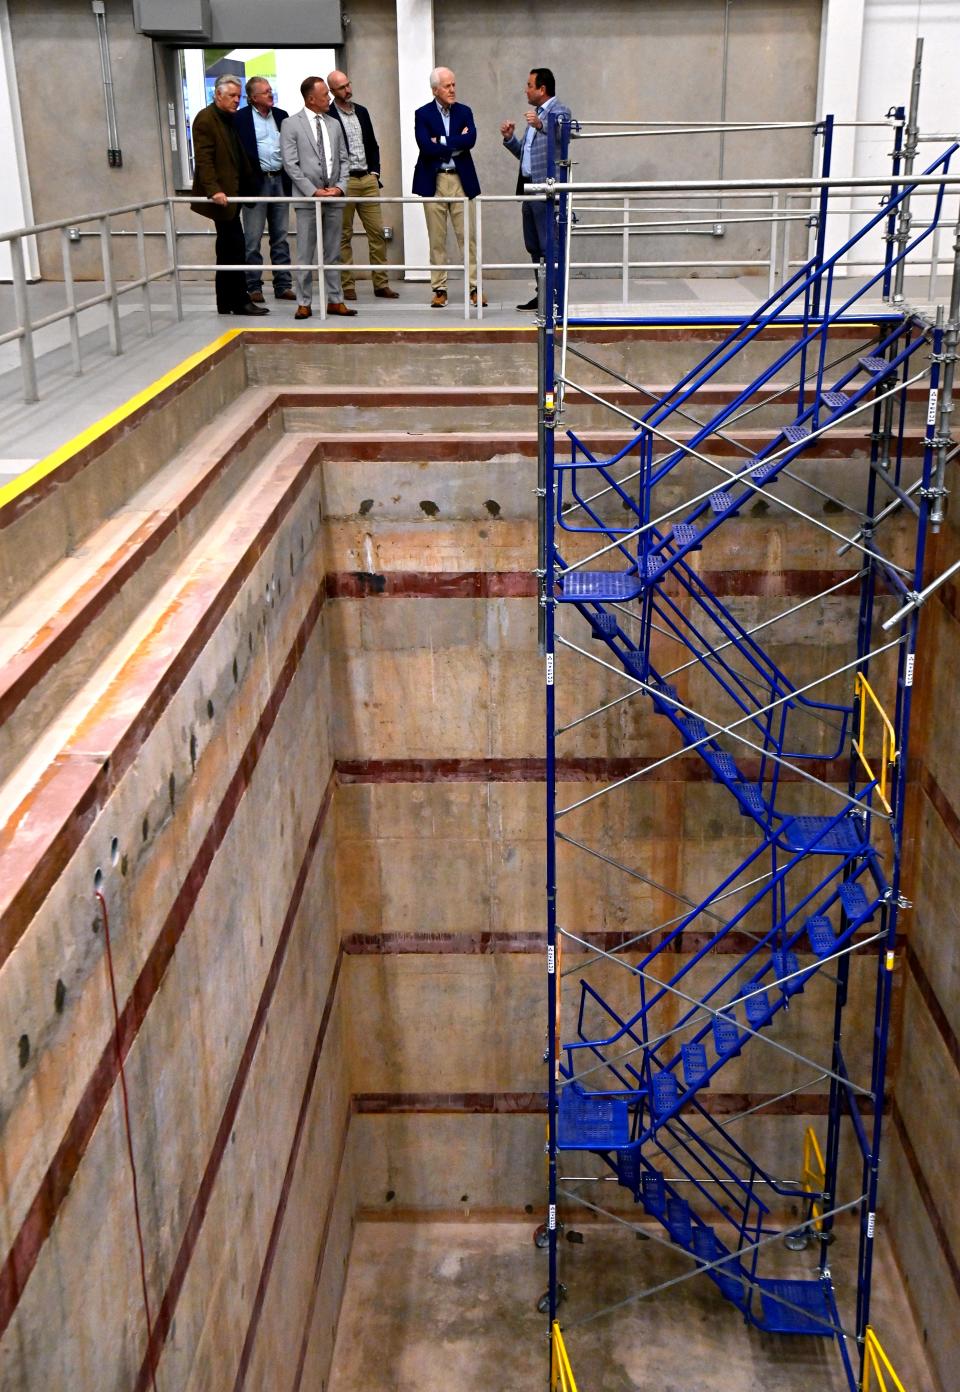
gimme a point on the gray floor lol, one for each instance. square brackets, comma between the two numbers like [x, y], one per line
[69, 403]
[432, 1306]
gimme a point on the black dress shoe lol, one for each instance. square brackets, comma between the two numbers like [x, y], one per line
[530, 304]
[251, 309]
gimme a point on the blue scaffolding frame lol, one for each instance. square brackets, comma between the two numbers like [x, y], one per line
[626, 1085]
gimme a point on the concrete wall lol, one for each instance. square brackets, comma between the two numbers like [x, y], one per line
[919, 1189]
[675, 48]
[171, 792]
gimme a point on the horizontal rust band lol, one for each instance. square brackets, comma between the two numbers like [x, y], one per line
[535, 1103]
[686, 768]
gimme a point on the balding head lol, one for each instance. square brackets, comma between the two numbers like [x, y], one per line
[339, 85]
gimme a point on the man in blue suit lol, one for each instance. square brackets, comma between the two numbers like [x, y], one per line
[445, 135]
[258, 127]
[532, 152]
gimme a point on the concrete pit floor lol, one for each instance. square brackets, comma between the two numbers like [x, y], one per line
[437, 1306]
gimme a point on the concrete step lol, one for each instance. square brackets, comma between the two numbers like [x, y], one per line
[54, 637]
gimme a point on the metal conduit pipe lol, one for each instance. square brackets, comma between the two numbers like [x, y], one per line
[114, 153]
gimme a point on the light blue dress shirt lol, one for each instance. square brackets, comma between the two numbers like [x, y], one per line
[268, 142]
[445, 118]
[525, 168]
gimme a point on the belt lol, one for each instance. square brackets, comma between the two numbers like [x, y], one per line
[358, 173]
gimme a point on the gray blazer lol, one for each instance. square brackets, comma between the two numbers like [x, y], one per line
[298, 150]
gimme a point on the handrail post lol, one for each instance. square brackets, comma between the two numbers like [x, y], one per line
[113, 307]
[28, 363]
[466, 257]
[321, 268]
[173, 253]
[145, 288]
[479, 255]
[889, 235]
[774, 210]
[625, 253]
[71, 294]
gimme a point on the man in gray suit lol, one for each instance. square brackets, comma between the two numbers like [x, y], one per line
[314, 155]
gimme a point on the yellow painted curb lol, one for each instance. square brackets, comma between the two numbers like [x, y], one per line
[50, 462]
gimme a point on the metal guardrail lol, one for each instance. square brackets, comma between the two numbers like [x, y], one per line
[628, 212]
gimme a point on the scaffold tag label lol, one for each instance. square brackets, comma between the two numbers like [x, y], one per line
[932, 406]
[889, 961]
[871, 1221]
[908, 675]
[549, 669]
[552, 1219]
[551, 960]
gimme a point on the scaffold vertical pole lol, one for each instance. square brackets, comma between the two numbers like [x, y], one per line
[909, 155]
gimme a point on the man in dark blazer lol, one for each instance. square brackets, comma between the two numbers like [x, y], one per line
[258, 126]
[363, 181]
[446, 134]
[532, 149]
[222, 171]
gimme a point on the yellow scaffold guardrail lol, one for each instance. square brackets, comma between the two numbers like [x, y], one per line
[888, 750]
[561, 1374]
[876, 1361]
[814, 1175]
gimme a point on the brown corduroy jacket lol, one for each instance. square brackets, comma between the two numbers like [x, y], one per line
[220, 165]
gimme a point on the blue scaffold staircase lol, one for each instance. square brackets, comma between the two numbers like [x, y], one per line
[629, 1091]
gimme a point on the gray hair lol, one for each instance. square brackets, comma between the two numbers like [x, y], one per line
[435, 77]
[252, 82]
[228, 79]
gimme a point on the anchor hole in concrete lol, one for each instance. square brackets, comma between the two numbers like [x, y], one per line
[193, 750]
[172, 789]
[23, 1050]
[114, 850]
[59, 996]
[145, 828]
[209, 710]
[97, 880]
[236, 671]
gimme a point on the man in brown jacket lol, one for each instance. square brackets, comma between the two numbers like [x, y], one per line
[222, 171]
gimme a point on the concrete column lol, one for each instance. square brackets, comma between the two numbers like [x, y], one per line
[841, 43]
[414, 61]
[16, 209]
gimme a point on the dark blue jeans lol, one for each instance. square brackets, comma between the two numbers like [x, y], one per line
[276, 217]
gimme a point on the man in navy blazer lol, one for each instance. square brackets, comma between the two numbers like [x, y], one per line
[258, 127]
[446, 134]
[532, 150]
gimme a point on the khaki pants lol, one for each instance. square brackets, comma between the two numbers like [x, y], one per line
[449, 186]
[371, 219]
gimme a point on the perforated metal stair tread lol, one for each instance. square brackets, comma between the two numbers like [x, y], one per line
[810, 834]
[694, 1063]
[796, 433]
[721, 502]
[855, 903]
[636, 664]
[726, 1036]
[758, 1008]
[628, 1170]
[820, 934]
[652, 1193]
[787, 964]
[693, 728]
[835, 400]
[599, 585]
[762, 469]
[591, 1123]
[722, 763]
[685, 534]
[664, 1094]
[872, 364]
[606, 624]
[752, 798]
[680, 1221]
[808, 1310]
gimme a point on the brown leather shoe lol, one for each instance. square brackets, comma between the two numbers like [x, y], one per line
[256, 296]
[350, 294]
[439, 299]
[384, 292]
[303, 312]
[338, 307]
[473, 298]
[283, 295]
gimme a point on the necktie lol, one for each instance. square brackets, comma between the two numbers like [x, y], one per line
[321, 154]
